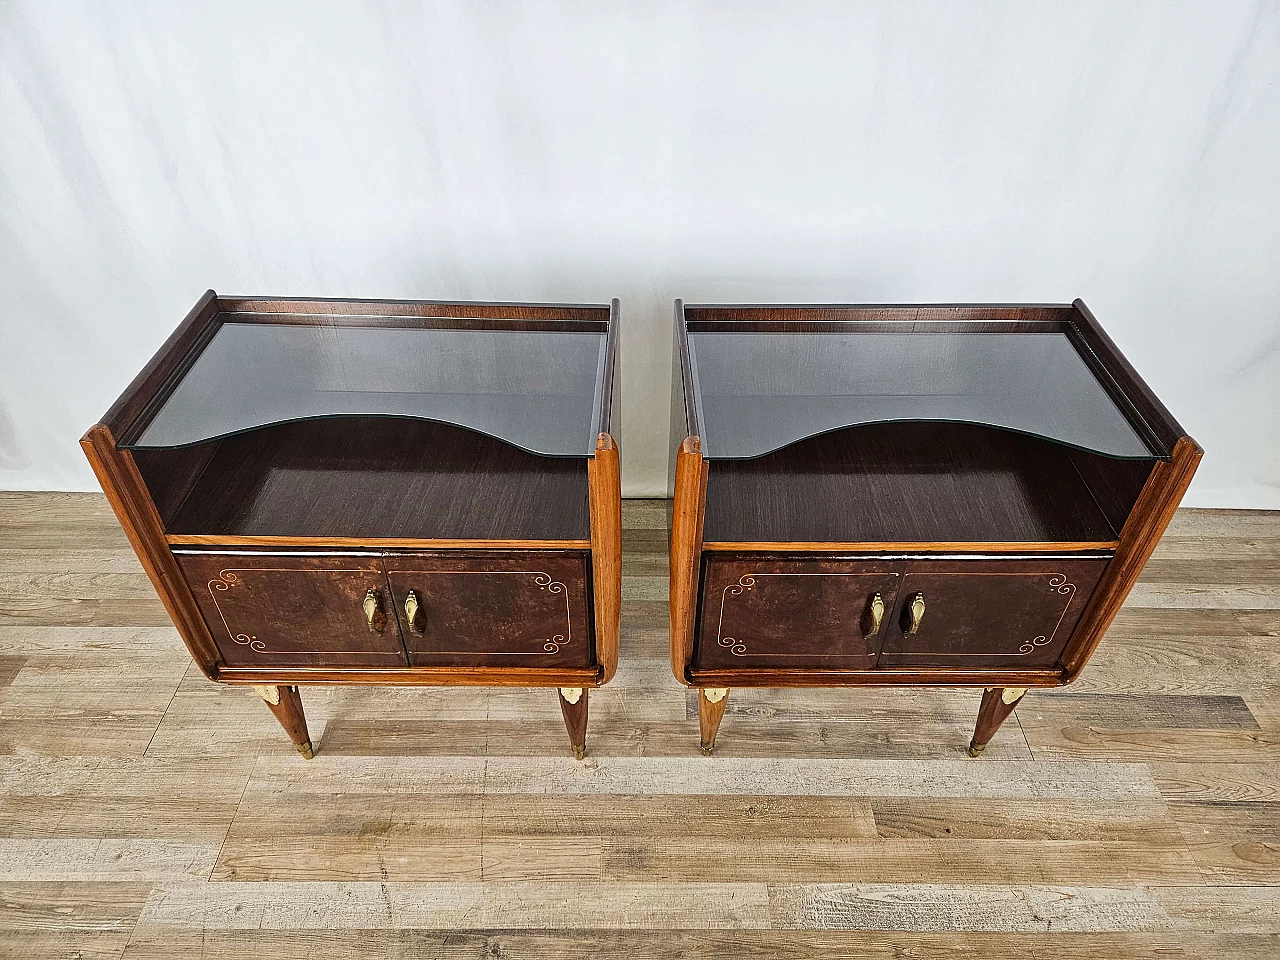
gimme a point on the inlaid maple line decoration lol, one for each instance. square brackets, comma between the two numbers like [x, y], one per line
[550, 645]
[227, 579]
[1057, 584]
[747, 582]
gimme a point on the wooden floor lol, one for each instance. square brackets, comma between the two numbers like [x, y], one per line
[150, 813]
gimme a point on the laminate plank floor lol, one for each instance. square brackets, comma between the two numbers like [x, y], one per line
[147, 813]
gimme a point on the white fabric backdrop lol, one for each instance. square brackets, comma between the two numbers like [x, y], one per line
[788, 151]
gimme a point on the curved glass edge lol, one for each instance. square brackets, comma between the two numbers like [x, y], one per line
[533, 389]
[710, 454]
[267, 425]
[751, 413]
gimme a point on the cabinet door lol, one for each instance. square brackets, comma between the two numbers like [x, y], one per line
[514, 609]
[987, 613]
[793, 613]
[268, 611]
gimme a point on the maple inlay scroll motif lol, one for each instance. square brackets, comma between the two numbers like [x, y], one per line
[226, 580]
[229, 580]
[544, 581]
[747, 583]
[1058, 582]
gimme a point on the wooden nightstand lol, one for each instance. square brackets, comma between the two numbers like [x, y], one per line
[378, 492]
[919, 495]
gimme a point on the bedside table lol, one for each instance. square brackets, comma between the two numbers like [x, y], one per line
[908, 495]
[378, 492]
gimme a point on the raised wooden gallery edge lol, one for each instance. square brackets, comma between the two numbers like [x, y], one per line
[357, 543]
[909, 546]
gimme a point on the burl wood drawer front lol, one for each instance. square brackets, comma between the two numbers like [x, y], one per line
[499, 609]
[819, 614]
[996, 613]
[295, 611]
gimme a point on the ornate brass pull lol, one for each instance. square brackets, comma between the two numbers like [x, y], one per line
[371, 610]
[877, 615]
[916, 611]
[411, 611]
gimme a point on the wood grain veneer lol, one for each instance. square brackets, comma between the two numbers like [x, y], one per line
[792, 612]
[879, 677]
[908, 546]
[686, 552]
[384, 478]
[906, 482]
[1124, 381]
[418, 676]
[132, 505]
[143, 396]
[1146, 524]
[375, 543]
[390, 309]
[604, 475]
[511, 609]
[267, 610]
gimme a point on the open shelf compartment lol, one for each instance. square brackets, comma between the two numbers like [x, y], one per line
[367, 478]
[379, 421]
[923, 483]
[912, 425]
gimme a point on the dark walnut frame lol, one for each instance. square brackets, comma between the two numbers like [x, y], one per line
[196, 515]
[734, 523]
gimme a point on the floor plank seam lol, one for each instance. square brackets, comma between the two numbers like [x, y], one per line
[1025, 739]
[165, 712]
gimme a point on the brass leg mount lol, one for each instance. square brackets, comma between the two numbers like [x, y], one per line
[573, 705]
[285, 703]
[997, 704]
[711, 703]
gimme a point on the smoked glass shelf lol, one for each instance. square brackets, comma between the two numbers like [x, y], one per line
[538, 389]
[758, 391]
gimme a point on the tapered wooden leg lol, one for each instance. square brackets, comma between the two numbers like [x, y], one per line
[997, 704]
[711, 701]
[573, 704]
[286, 704]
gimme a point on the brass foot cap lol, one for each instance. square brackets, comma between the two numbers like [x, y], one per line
[975, 750]
[579, 753]
[306, 751]
[707, 748]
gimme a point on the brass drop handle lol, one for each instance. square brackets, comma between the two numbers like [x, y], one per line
[916, 609]
[411, 611]
[877, 615]
[371, 610]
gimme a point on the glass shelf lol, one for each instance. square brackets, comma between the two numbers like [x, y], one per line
[537, 389]
[759, 392]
